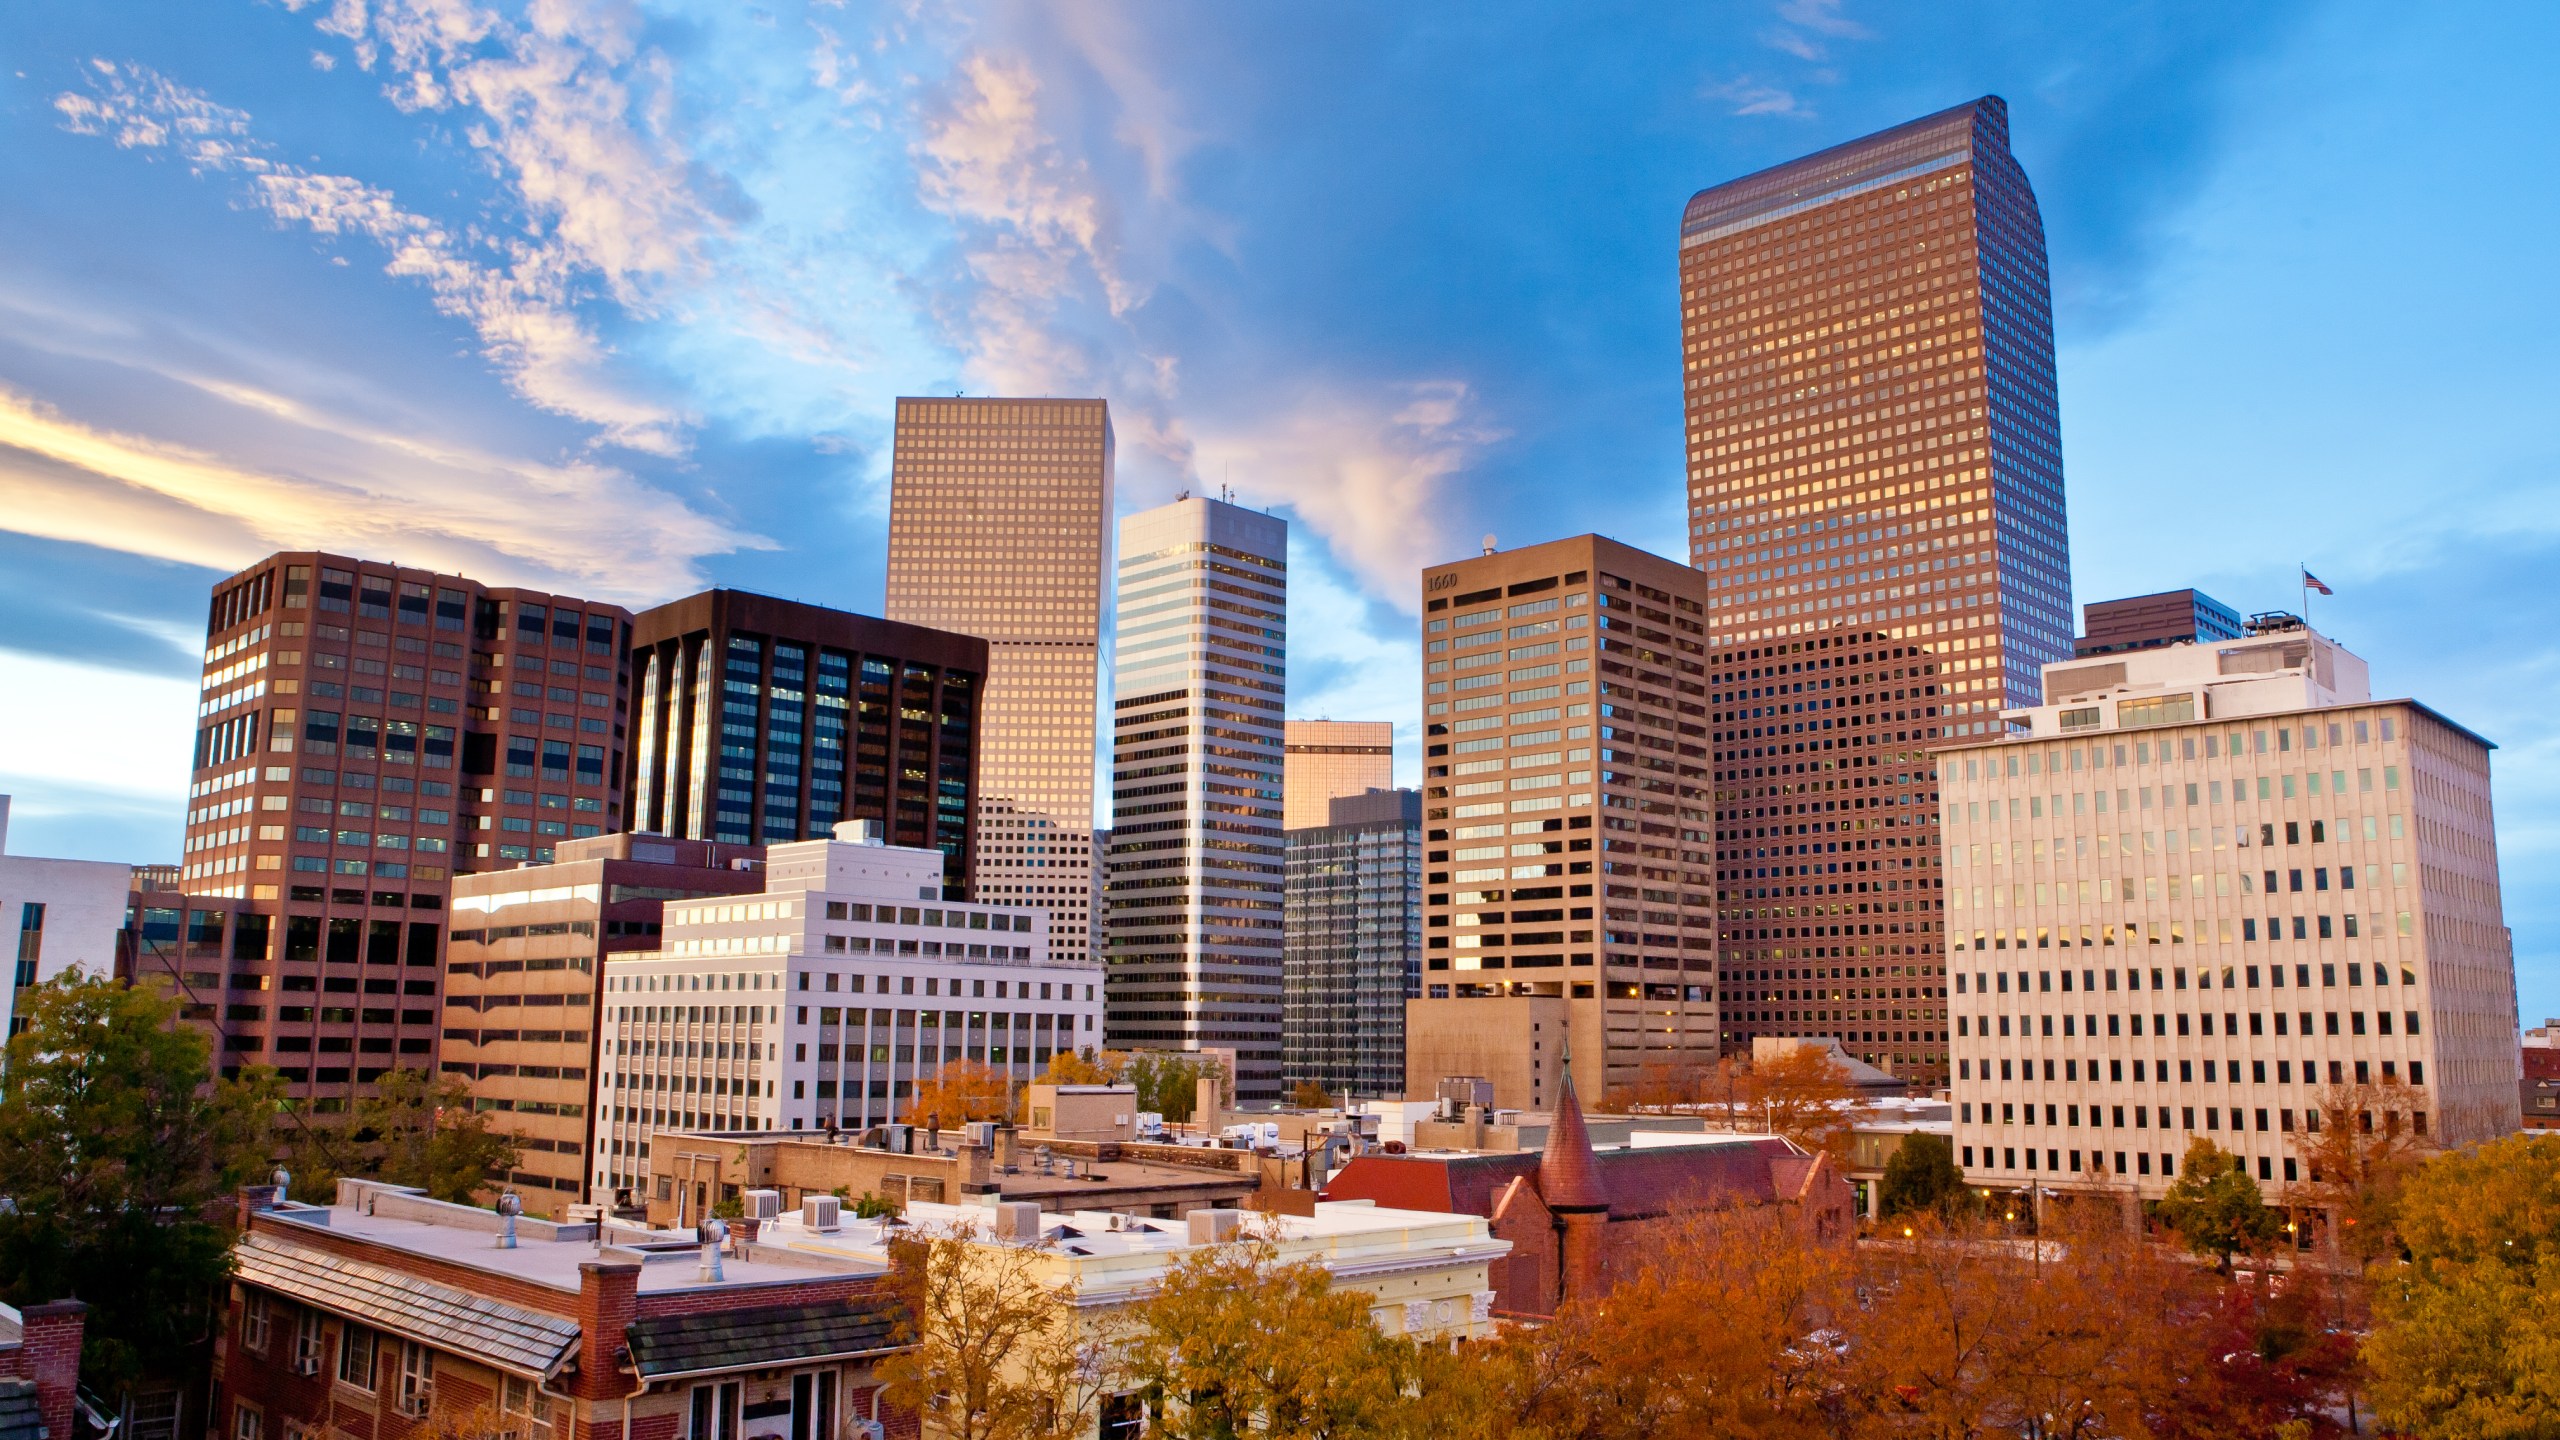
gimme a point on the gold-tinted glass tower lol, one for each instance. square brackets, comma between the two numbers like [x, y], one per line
[1875, 493]
[1328, 759]
[998, 522]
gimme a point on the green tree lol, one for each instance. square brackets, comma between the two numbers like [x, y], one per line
[2216, 1208]
[414, 1129]
[430, 1135]
[115, 1138]
[1922, 1175]
[1168, 1084]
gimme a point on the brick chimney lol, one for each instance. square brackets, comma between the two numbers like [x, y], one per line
[50, 1357]
[608, 1300]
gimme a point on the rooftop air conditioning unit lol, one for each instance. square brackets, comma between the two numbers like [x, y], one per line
[822, 1213]
[764, 1205]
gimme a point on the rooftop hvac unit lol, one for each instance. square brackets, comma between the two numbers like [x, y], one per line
[823, 1213]
[764, 1204]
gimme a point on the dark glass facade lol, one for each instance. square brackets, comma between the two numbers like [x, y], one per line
[1875, 488]
[1352, 950]
[764, 721]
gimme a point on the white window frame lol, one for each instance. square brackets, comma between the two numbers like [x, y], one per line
[247, 1421]
[310, 1345]
[257, 1322]
[417, 1390]
[349, 1333]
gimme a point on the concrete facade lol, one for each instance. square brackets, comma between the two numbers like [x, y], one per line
[2243, 881]
[821, 1001]
[56, 915]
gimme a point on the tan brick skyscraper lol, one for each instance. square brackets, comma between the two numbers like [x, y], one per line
[1875, 491]
[999, 520]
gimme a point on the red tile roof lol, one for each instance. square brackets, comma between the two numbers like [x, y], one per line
[1635, 1183]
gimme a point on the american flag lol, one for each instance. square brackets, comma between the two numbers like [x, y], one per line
[2314, 582]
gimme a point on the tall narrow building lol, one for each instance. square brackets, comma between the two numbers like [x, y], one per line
[997, 528]
[1197, 857]
[765, 721]
[368, 732]
[1875, 495]
[1354, 943]
[1328, 759]
[1567, 889]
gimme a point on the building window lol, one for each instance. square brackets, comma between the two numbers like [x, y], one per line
[246, 1422]
[417, 1378]
[355, 1357]
[255, 1322]
[714, 1413]
[306, 1343]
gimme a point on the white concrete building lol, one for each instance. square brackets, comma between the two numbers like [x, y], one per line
[59, 914]
[822, 1001]
[1199, 684]
[2200, 885]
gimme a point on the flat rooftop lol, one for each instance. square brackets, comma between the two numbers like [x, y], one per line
[402, 1222]
[1334, 1224]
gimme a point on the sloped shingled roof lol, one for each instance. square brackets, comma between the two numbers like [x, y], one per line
[20, 1419]
[531, 1342]
[1637, 1182]
[667, 1345]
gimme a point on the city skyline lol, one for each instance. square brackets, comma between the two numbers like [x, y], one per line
[2155, 247]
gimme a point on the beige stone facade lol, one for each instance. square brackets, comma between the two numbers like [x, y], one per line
[1566, 813]
[1330, 758]
[2205, 883]
[998, 527]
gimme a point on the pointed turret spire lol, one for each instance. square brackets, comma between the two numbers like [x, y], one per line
[1568, 1173]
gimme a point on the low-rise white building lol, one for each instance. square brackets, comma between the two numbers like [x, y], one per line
[823, 1001]
[2201, 885]
[57, 914]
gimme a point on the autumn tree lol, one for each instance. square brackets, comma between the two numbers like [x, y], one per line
[2466, 1339]
[1660, 1085]
[994, 1350]
[115, 1139]
[2216, 1208]
[1920, 1175]
[2358, 1145]
[1722, 1329]
[1084, 1067]
[1802, 1093]
[961, 1091]
[1235, 1343]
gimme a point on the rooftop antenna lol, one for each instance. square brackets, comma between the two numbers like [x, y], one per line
[1488, 544]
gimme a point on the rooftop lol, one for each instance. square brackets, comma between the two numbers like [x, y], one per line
[401, 1222]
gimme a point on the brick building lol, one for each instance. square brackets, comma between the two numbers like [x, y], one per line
[390, 1316]
[40, 1369]
[368, 731]
[1575, 1217]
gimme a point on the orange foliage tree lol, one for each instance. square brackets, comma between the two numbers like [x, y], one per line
[962, 1091]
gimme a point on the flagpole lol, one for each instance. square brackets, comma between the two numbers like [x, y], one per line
[2306, 593]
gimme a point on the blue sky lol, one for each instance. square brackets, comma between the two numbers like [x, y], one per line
[615, 296]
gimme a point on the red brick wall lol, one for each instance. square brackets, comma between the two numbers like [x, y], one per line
[50, 1356]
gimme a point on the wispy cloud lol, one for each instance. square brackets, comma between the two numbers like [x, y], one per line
[360, 488]
[518, 294]
[1749, 96]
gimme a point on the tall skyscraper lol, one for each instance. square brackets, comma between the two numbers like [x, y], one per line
[1331, 758]
[1875, 495]
[1354, 943]
[997, 528]
[1565, 815]
[1199, 685]
[765, 721]
[2209, 890]
[368, 731]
